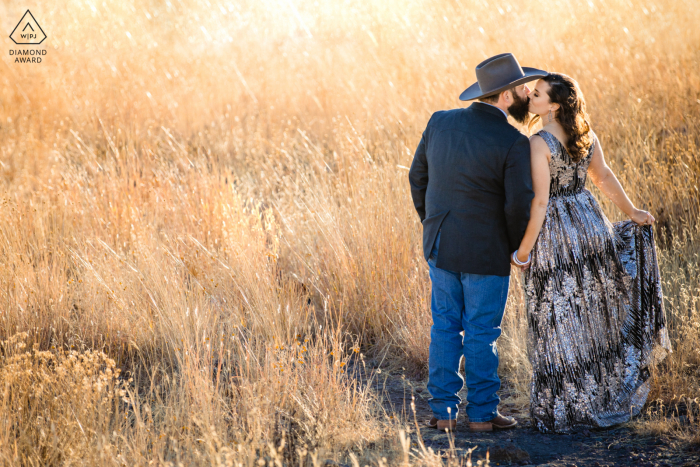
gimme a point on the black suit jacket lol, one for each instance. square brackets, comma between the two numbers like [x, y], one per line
[470, 178]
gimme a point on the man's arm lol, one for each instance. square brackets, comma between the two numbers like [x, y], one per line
[418, 175]
[518, 187]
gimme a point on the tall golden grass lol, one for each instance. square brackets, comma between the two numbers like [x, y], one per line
[212, 198]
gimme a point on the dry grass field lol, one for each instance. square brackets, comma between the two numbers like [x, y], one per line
[205, 213]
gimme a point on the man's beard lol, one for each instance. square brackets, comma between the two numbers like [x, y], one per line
[519, 108]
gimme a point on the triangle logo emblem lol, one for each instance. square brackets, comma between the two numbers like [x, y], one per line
[28, 31]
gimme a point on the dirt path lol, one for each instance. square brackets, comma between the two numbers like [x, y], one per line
[525, 445]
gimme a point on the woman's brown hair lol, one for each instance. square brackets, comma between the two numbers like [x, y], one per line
[572, 115]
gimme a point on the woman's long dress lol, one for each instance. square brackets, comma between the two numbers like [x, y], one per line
[595, 308]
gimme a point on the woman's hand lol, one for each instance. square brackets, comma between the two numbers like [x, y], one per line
[642, 217]
[523, 258]
[524, 262]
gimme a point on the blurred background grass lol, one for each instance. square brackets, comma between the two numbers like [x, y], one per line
[214, 194]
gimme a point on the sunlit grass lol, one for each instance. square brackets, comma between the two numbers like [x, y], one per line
[214, 195]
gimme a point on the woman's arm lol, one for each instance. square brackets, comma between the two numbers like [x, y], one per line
[607, 182]
[539, 167]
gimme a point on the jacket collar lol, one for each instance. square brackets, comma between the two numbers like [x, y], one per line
[481, 107]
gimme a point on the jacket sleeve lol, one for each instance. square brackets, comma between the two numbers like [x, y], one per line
[518, 188]
[418, 175]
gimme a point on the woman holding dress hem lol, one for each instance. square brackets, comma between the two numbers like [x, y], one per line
[595, 308]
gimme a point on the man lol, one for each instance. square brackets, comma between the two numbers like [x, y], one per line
[471, 185]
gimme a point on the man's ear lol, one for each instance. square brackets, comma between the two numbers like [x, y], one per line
[507, 96]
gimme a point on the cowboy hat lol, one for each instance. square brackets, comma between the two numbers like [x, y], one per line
[499, 73]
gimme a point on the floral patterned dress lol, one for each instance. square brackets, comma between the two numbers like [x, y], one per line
[596, 321]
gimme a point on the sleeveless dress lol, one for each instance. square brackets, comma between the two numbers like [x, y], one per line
[596, 320]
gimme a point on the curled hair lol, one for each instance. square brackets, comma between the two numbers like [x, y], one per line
[572, 115]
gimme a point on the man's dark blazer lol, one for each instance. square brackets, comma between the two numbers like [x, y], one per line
[470, 178]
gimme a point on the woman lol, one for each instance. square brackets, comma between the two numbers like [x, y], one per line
[595, 313]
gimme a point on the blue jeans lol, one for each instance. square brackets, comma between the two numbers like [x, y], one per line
[472, 303]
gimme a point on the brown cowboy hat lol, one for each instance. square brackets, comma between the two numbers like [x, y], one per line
[497, 74]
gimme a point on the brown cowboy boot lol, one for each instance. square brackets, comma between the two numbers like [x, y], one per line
[500, 422]
[442, 425]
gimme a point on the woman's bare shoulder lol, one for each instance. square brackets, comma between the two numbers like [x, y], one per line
[537, 143]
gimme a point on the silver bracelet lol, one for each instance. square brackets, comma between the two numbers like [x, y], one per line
[520, 263]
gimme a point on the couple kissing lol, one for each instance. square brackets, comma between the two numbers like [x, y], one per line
[490, 199]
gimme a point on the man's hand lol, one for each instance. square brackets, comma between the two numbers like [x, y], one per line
[512, 262]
